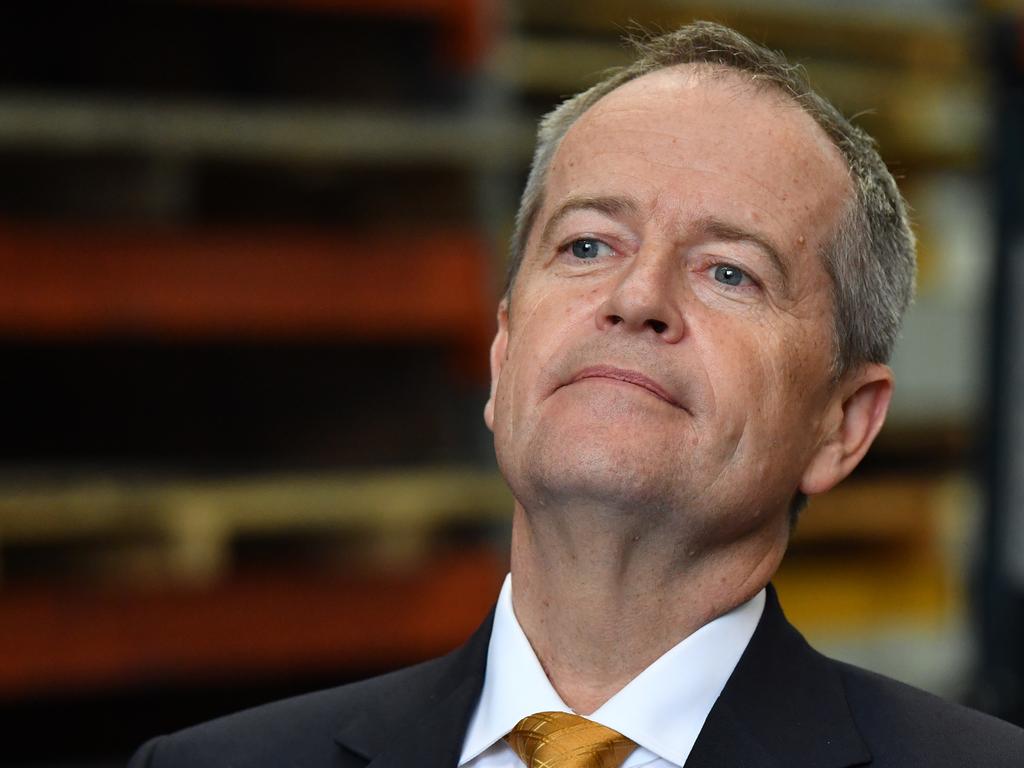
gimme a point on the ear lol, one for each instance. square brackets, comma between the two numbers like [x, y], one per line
[854, 417]
[498, 348]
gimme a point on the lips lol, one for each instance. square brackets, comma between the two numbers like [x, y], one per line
[628, 376]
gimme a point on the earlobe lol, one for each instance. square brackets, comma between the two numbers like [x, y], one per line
[498, 349]
[859, 411]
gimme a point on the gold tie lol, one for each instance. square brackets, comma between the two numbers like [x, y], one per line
[562, 740]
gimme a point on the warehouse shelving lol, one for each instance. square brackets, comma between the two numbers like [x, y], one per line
[154, 589]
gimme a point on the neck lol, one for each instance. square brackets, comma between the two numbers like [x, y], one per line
[600, 601]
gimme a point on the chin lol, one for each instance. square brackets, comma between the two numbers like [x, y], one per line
[596, 466]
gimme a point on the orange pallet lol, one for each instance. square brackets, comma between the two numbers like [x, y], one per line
[61, 638]
[67, 283]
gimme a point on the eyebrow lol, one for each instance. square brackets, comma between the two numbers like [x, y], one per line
[712, 226]
[612, 206]
[723, 230]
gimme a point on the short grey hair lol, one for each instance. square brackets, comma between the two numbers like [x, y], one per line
[870, 257]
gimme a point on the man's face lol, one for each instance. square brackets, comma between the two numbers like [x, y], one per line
[668, 340]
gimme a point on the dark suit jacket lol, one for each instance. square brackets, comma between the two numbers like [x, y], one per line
[785, 706]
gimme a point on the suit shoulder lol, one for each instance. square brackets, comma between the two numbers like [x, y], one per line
[298, 731]
[904, 726]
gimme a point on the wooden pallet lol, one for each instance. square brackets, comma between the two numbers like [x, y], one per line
[189, 526]
[870, 554]
[172, 605]
[184, 531]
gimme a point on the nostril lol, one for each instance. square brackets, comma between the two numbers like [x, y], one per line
[658, 326]
[614, 319]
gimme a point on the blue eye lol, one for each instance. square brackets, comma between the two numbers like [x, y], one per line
[729, 275]
[588, 248]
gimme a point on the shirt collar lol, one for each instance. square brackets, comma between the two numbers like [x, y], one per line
[662, 709]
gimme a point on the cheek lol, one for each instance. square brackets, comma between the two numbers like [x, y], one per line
[795, 375]
[532, 336]
[764, 379]
[546, 323]
[547, 320]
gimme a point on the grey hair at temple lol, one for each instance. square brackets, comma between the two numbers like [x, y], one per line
[870, 257]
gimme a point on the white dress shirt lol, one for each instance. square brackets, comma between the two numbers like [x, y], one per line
[662, 709]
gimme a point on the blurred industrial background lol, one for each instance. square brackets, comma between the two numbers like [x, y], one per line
[249, 258]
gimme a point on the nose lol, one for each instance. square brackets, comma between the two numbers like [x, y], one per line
[644, 299]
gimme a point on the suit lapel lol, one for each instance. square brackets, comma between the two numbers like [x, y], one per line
[423, 720]
[784, 705]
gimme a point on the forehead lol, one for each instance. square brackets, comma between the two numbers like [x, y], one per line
[686, 141]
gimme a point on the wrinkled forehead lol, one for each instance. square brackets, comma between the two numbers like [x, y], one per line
[691, 111]
[708, 136]
[717, 96]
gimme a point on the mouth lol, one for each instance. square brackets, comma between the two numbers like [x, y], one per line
[628, 377]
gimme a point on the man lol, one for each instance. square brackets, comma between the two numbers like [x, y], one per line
[708, 276]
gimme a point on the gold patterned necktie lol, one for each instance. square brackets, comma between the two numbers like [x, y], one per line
[563, 740]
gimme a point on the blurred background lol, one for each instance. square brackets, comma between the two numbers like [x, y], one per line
[249, 260]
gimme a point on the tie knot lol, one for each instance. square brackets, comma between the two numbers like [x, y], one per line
[563, 740]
